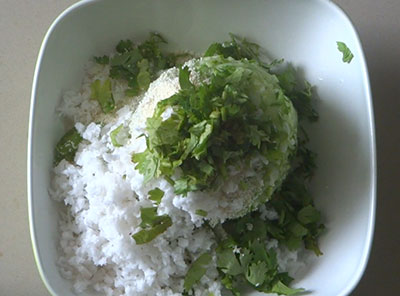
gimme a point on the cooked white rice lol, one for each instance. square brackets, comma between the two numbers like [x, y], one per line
[104, 193]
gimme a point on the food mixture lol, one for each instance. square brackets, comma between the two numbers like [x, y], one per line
[184, 174]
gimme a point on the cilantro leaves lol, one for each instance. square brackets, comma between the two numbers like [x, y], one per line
[138, 64]
[147, 235]
[103, 60]
[101, 92]
[243, 257]
[152, 225]
[119, 136]
[215, 125]
[347, 54]
[252, 264]
[301, 98]
[156, 195]
[196, 271]
[201, 212]
[237, 48]
[67, 146]
[218, 124]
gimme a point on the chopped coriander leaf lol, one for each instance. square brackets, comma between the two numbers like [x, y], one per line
[113, 136]
[201, 212]
[230, 284]
[185, 184]
[227, 261]
[295, 227]
[288, 79]
[119, 136]
[281, 289]
[147, 235]
[139, 64]
[184, 81]
[196, 271]
[144, 77]
[156, 195]
[149, 216]
[308, 214]
[237, 48]
[101, 92]
[347, 54]
[147, 164]
[132, 92]
[152, 225]
[67, 146]
[301, 98]
[251, 263]
[104, 60]
[124, 46]
[256, 273]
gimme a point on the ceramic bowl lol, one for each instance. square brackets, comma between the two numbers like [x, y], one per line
[303, 32]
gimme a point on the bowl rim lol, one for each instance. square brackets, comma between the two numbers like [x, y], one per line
[355, 279]
[43, 46]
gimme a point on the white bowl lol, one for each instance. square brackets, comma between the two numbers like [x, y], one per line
[303, 32]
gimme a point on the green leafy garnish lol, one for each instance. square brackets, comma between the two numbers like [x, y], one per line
[147, 235]
[300, 97]
[144, 77]
[156, 195]
[347, 54]
[147, 165]
[101, 92]
[250, 263]
[218, 124]
[243, 258]
[104, 60]
[152, 225]
[124, 46]
[256, 273]
[308, 215]
[237, 48]
[196, 271]
[227, 261]
[184, 81]
[281, 289]
[139, 64]
[149, 216]
[119, 136]
[201, 212]
[67, 146]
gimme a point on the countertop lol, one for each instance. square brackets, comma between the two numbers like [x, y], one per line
[23, 25]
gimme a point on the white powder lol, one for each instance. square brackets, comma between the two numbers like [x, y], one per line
[163, 87]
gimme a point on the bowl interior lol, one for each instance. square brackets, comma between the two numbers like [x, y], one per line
[303, 32]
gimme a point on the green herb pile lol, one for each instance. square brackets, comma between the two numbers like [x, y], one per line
[242, 256]
[241, 113]
[137, 65]
[246, 109]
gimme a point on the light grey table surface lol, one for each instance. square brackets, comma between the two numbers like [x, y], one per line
[23, 24]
